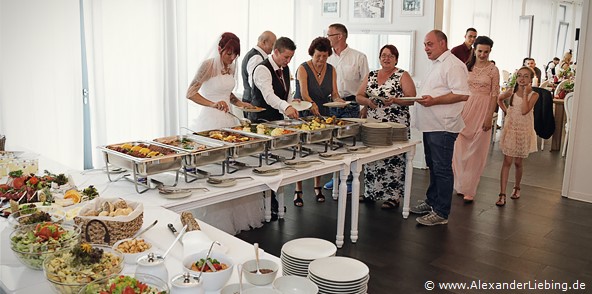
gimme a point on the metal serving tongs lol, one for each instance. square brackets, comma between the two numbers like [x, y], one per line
[201, 270]
[243, 121]
[271, 170]
[170, 190]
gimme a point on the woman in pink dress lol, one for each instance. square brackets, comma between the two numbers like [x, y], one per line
[472, 145]
[518, 136]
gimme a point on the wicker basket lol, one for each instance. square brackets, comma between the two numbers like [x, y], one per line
[108, 230]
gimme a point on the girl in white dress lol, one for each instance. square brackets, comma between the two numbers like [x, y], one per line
[211, 89]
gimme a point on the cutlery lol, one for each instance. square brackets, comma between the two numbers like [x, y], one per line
[267, 171]
[165, 190]
[300, 162]
[174, 231]
[213, 180]
[239, 269]
[210, 265]
[256, 245]
[243, 121]
[176, 239]
[207, 257]
[144, 230]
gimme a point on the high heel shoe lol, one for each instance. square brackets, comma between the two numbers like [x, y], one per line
[515, 193]
[319, 194]
[298, 202]
[502, 199]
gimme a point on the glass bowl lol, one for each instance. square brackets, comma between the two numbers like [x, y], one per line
[68, 278]
[32, 250]
[25, 216]
[155, 285]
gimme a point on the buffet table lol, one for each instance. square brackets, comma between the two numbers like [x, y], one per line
[17, 278]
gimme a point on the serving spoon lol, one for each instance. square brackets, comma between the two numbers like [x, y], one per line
[144, 230]
[243, 121]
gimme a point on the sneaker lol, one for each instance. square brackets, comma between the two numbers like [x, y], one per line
[431, 219]
[421, 208]
[328, 185]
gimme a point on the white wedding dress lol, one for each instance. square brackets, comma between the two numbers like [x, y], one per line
[202, 118]
[237, 215]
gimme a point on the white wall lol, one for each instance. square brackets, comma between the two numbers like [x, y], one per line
[576, 181]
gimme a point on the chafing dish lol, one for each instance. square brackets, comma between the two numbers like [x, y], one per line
[201, 151]
[279, 137]
[242, 144]
[310, 132]
[120, 155]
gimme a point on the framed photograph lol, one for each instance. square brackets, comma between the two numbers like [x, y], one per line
[370, 11]
[412, 7]
[330, 8]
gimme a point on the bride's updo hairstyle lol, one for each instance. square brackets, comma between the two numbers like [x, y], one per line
[229, 41]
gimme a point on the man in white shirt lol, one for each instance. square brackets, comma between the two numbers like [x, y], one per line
[255, 56]
[351, 67]
[438, 116]
[271, 84]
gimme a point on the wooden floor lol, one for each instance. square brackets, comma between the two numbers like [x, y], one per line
[540, 237]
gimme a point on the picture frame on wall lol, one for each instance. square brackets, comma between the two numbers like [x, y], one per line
[412, 7]
[370, 11]
[331, 8]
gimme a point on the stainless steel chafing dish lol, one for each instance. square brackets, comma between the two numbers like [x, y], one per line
[201, 151]
[344, 128]
[307, 136]
[242, 144]
[287, 138]
[142, 167]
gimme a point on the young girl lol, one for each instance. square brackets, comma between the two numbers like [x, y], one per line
[518, 135]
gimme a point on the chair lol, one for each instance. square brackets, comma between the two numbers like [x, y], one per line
[560, 87]
[546, 84]
[568, 105]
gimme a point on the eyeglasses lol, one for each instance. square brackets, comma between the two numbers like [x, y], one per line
[331, 35]
[389, 56]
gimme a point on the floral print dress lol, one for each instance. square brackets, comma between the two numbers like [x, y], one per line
[385, 179]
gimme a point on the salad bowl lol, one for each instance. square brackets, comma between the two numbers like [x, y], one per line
[120, 283]
[33, 243]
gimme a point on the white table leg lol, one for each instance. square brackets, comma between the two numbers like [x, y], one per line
[408, 177]
[341, 206]
[335, 190]
[267, 199]
[355, 200]
[281, 202]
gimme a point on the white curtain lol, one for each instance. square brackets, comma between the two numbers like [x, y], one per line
[40, 78]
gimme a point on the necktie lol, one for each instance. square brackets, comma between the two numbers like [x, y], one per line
[280, 73]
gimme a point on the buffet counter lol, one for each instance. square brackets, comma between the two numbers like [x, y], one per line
[17, 278]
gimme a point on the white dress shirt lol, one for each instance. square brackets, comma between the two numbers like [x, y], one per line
[263, 80]
[255, 59]
[447, 75]
[351, 67]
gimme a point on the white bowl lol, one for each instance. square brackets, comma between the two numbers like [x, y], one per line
[295, 285]
[212, 281]
[250, 266]
[234, 288]
[131, 258]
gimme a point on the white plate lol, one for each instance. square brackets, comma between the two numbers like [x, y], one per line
[223, 184]
[337, 104]
[301, 105]
[255, 109]
[334, 157]
[309, 248]
[339, 269]
[176, 195]
[267, 174]
[359, 149]
[410, 98]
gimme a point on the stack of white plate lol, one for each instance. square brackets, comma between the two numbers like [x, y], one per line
[399, 131]
[338, 274]
[297, 254]
[377, 134]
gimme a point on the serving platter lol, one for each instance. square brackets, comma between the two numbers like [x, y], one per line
[252, 109]
[410, 98]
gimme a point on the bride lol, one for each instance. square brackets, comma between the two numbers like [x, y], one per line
[211, 88]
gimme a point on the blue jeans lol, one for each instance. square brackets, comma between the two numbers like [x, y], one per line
[439, 147]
